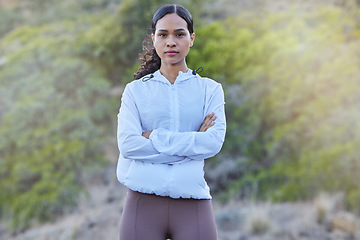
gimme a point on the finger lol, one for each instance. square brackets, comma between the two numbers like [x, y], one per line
[207, 122]
[209, 125]
[202, 128]
[211, 117]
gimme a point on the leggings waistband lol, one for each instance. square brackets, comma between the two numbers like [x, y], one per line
[139, 195]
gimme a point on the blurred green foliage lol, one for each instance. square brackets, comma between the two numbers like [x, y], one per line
[53, 106]
[291, 80]
[296, 115]
[56, 110]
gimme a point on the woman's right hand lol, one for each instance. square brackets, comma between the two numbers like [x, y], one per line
[208, 122]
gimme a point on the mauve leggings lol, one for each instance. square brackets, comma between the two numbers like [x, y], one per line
[151, 217]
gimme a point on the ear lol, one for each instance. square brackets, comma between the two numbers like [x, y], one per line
[153, 38]
[192, 38]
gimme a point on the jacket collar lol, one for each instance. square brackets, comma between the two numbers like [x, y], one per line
[181, 76]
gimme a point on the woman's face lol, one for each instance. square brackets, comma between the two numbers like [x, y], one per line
[172, 39]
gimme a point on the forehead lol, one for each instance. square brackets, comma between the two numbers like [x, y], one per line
[170, 22]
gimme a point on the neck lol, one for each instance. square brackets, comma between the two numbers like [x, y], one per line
[172, 71]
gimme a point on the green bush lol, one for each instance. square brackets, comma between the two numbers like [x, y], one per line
[295, 114]
[52, 114]
[55, 74]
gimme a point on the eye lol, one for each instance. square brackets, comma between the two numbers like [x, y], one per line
[180, 34]
[162, 35]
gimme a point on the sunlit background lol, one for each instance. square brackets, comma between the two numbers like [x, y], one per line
[291, 75]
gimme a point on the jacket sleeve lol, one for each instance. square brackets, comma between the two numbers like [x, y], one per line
[196, 145]
[131, 143]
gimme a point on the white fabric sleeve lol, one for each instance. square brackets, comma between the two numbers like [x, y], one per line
[196, 145]
[131, 143]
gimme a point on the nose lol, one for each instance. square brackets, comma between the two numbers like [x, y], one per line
[170, 42]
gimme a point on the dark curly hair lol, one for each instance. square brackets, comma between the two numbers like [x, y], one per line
[151, 60]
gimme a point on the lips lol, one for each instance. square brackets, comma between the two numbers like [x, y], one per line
[171, 53]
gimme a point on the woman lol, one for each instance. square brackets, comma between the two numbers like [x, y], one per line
[170, 120]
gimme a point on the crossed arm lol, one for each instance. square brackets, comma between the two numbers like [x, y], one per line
[208, 122]
[165, 146]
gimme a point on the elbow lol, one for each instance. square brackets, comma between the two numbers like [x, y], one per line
[217, 142]
[215, 149]
[124, 148]
[131, 146]
[124, 154]
[124, 151]
[215, 145]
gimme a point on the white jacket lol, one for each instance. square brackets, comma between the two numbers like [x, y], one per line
[171, 161]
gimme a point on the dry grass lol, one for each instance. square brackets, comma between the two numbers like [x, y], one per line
[258, 222]
[323, 207]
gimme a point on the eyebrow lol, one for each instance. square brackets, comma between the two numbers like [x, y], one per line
[176, 30]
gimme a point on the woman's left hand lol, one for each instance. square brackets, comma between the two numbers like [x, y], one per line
[208, 122]
[146, 134]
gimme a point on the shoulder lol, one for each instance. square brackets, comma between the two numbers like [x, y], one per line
[139, 88]
[137, 83]
[211, 84]
[130, 89]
